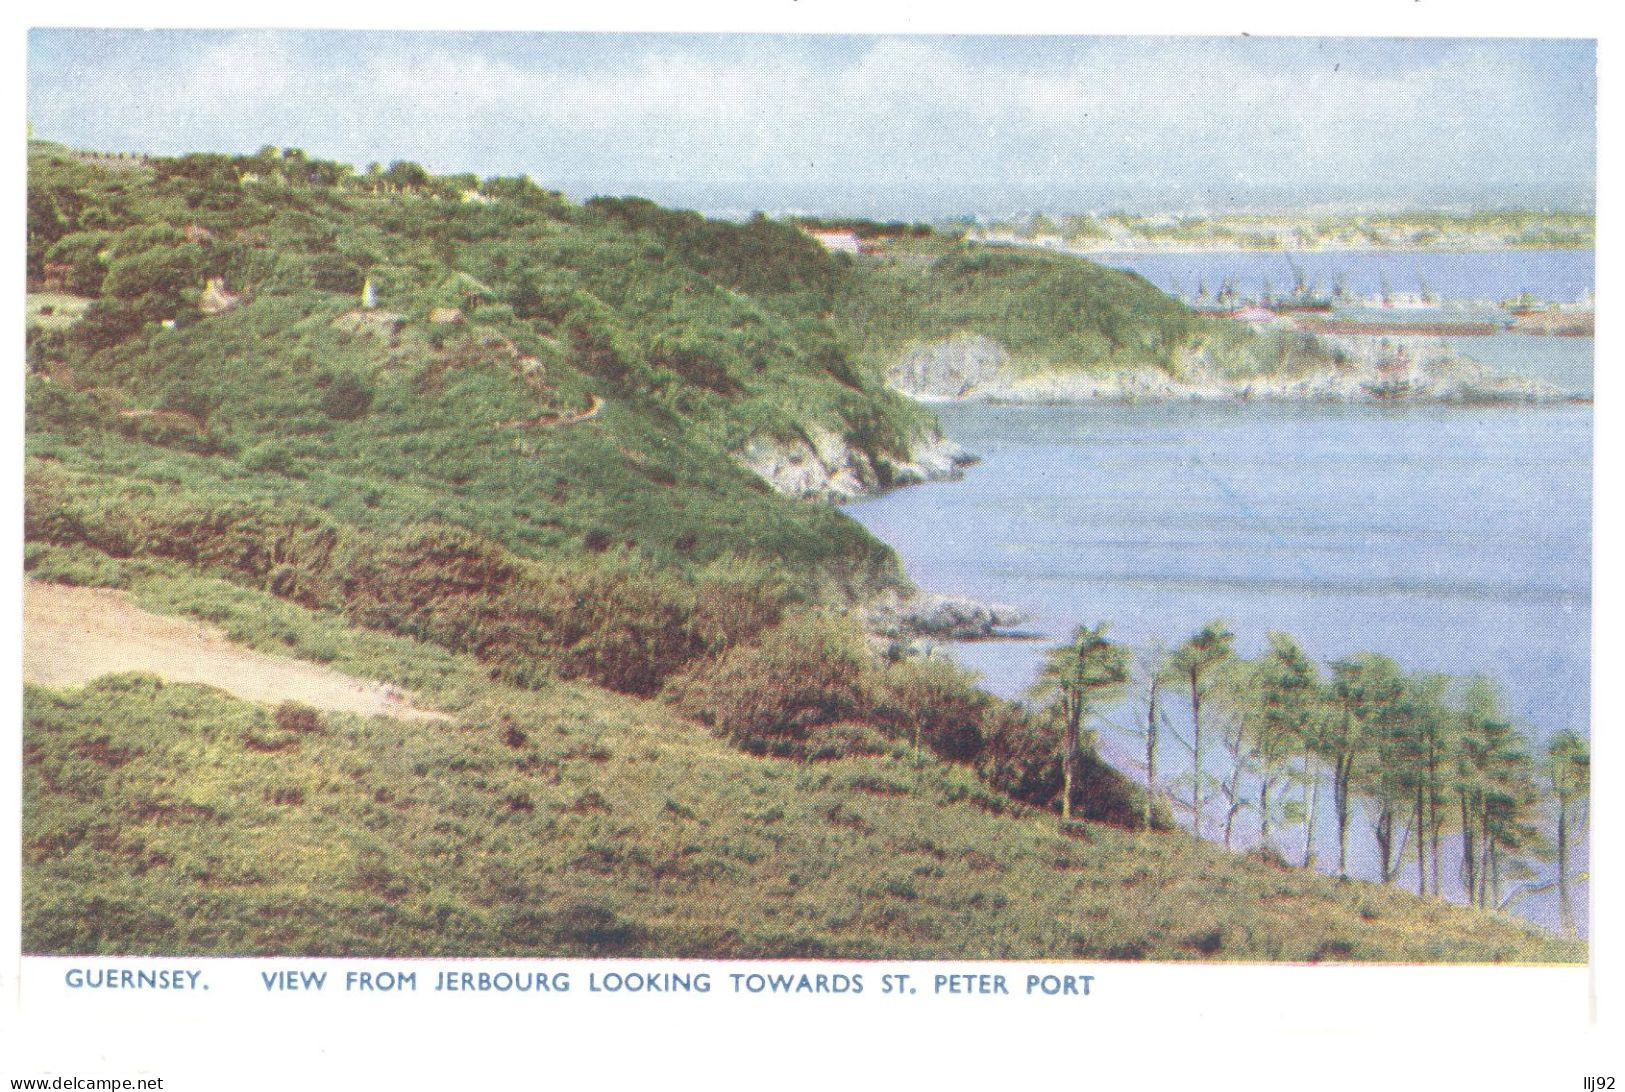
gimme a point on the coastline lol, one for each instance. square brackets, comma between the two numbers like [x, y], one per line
[1389, 371]
[1278, 237]
[1133, 250]
[822, 465]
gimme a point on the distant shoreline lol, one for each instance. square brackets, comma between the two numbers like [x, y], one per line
[1085, 251]
[1372, 371]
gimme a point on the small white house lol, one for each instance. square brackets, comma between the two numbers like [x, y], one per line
[1256, 316]
[838, 242]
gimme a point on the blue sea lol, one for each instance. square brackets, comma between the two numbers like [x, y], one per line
[1558, 276]
[1454, 539]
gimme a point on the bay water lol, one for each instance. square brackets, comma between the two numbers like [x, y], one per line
[1454, 539]
[1557, 276]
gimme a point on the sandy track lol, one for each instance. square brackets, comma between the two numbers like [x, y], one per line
[72, 635]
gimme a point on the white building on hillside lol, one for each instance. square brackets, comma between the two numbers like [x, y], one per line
[839, 242]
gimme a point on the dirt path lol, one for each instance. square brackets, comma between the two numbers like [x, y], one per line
[72, 635]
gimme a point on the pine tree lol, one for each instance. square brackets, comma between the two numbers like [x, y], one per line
[1193, 665]
[1076, 677]
[1567, 768]
[1292, 707]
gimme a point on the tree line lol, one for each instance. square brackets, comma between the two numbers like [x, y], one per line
[1443, 776]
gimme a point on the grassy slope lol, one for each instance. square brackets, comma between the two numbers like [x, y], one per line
[1044, 308]
[172, 819]
[1052, 312]
[166, 819]
[652, 472]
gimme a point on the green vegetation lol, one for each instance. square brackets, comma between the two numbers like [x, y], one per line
[1567, 767]
[1435, 763]
[471, 439]
[1076, 677]
[696, 335]
[1046, 309]
[1052, 313]
[169, 818]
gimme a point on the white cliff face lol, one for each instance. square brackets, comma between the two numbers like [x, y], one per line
[823, 466]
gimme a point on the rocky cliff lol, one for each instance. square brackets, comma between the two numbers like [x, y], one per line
[1356, 369]
[823, 465]
[953, 368]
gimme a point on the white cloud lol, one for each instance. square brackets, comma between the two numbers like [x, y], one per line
[918, 118]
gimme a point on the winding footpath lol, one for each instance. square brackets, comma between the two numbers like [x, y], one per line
[73, 635]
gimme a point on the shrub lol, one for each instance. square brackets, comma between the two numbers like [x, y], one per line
[268, 458]
[334, 273]
[54, 406]
[1019, 759]
[594, 349]
[293, 716]
[934, 703]
[169, 271]
[494, 313]
[805, 672]
[1022, 760]
[108, 322]
[83, 251]
[347, 398]
[594, 929]
[184, 396]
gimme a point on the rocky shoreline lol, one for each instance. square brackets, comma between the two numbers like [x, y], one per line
[1398, 370]
[939, 617]
[907, 623]
[822, 465]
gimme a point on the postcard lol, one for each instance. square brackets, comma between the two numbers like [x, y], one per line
[587, 557]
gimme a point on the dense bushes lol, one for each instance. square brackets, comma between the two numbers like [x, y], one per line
[727, 644]
[701, 335]
[802, 675]
[760, 256]
[719, 642]
[447, 507]
[808, 687]
[83, 252]
[53, 405]
[610, 621]
[936, 704]
[1044, 308]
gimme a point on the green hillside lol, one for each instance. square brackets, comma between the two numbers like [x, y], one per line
[1047, 308]
[472, 439]
[571, 821]
[372, 413]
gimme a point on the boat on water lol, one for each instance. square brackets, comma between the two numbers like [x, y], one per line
[1524, 303]
[1303, 304]
[1402, 301]
[1305, 297]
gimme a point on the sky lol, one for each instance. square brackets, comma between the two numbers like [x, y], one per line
[889, 126]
